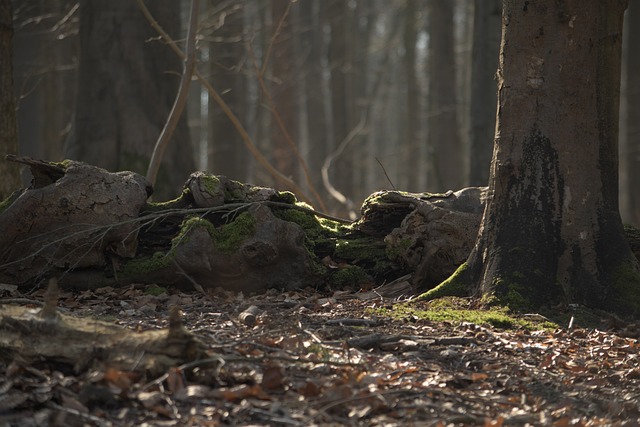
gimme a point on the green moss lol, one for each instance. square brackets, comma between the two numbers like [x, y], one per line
[140, 266]
[212, 185]
[155, 291]
[64, 164]
[285, 197]
[226, 239]
[625, 289]
[309, 223]
[399, 251]
[179, 202]
[9, 200]
[456, 285]
[453, 309]
[350, 275]
[361, 248]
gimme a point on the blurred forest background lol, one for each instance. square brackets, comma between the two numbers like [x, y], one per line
[372, 94]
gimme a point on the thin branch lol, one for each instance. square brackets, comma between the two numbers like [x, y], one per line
[327, 163]
[225, 108]
[385, 173]
[283, 128]
[181, 97]
[275, 35]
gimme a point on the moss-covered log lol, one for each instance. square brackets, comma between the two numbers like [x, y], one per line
[89, 228]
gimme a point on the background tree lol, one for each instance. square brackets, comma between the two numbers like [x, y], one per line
[8, 126]
[126, 87]
[446, 156]
[551, 229]
[361, 71]
[226, 53]
[484, 63]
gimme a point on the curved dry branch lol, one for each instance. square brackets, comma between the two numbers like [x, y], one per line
[330, 158]
[225, 108]
[181, 97]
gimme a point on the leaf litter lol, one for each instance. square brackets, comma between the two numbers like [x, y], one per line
[306, 358]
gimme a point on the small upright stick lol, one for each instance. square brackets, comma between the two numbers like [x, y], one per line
[49, 312]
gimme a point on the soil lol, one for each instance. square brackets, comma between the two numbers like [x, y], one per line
[308, 357]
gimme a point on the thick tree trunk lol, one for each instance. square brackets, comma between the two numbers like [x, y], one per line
[126, 87]
[632, 157]
[551, 229]
[9, 174]
[226, 154]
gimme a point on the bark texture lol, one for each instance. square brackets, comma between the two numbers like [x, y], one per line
[632, 158]
[551, 229]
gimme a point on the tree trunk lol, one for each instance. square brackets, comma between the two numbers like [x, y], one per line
[126, 88]
[9, 174]
[551, 229]
[226, 153]
[484, 63]
[446, 158]
[410, 153]
[313, 46]
[632, 157]
[282, 88]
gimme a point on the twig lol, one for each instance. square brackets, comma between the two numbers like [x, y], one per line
[283, 128]
[337, 153]
[181, 97]
[385, 174]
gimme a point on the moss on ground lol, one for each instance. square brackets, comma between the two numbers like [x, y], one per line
[455, 309]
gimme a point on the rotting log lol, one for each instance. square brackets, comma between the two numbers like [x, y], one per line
[28, 335]
[90, 228]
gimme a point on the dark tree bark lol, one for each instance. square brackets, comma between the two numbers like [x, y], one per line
[126, 87]
[226, 154]
[446, 157]
[632, 157]
[484, 63]
[9, 173]
[551, 229]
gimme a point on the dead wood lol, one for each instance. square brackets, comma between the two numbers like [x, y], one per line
[28, 335]
[90, 228]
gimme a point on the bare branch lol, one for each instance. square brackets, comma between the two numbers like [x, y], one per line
[225, 108]
[181, 97]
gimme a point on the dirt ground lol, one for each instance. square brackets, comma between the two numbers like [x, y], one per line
[310, 358]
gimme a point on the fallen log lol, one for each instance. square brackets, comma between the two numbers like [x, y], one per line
[89, 227]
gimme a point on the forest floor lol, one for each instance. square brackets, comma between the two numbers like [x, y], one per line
[310, 358]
